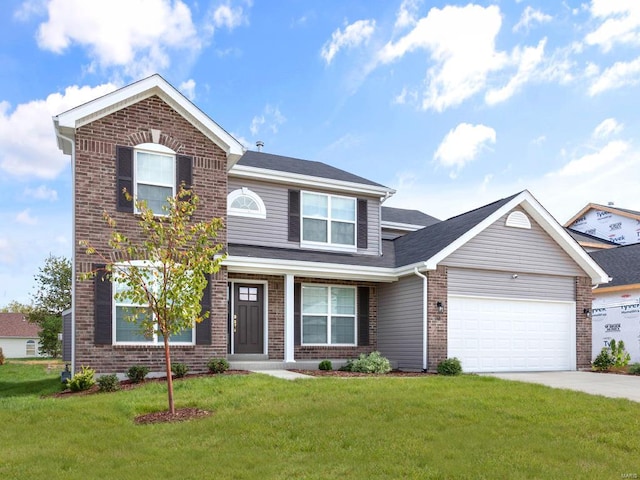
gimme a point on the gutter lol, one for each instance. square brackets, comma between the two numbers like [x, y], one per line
[424, 317]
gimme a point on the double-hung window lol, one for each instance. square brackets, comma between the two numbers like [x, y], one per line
[329, 220]
[131, 332]
[328, 315]
[155, 175]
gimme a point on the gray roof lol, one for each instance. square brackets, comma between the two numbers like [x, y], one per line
[424, 243]
[585, 237]
[622, 264]
[409, 217]
[301, 167]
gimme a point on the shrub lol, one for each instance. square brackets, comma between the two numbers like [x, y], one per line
[634, 369]
[83, 380]
[108, 383]
[347, 367]
[137, 373]
[179, 369]
[325, 365]
[372, 363]
[218, 365]
[450, 366]
[621, 357]
[2, 359]
[604, 361]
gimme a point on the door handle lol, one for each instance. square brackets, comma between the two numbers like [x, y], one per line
[235, 323]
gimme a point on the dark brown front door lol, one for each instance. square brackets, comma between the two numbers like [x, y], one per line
[248, 320]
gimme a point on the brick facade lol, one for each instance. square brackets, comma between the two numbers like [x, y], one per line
[436, 321]
[584, 299]
[95, 192]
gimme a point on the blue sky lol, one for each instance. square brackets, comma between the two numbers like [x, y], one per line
[453, 104]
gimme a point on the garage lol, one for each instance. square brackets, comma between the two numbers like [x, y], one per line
[511, 335]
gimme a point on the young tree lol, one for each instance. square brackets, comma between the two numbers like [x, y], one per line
[16, 307]
[166, 270]
[52, 296]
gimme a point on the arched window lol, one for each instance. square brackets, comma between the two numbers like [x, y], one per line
[245, 203]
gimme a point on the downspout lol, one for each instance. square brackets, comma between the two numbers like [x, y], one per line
[424, 318]
[73, 252]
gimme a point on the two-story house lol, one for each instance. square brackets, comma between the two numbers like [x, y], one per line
[317, 267]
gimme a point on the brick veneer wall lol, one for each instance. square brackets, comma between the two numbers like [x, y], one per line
[584, 299]
[95, 192]
[436, 322]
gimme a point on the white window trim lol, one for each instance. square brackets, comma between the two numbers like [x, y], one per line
[328, 245]
[115, 304]
[329, 315]
[156, 149]
[240, 212]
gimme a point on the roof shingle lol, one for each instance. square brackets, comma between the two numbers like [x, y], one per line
[16, 325]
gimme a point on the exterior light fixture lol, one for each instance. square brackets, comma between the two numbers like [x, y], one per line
[514, 276]
[587, 312]
[440, 307]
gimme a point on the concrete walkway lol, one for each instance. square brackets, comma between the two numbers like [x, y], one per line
[605, 384]
[283, 374]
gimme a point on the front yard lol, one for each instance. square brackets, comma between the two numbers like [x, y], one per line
[262, 427]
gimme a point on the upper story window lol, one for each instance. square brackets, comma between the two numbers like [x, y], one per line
[245, 203]
[155, 175]
[329, 220]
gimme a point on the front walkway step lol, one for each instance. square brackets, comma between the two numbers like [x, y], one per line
[283, 374]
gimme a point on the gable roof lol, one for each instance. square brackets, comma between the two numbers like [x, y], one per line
[16, 325]
[609, 208]
[66, 123]
[592, 241]
[281, 169]
[621, 263]
[399, 217]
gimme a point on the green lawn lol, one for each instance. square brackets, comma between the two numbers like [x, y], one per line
[262, 427]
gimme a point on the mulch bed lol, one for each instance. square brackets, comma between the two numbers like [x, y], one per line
[181, 415]
[339, 373]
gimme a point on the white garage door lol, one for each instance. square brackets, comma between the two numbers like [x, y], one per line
[506, 335]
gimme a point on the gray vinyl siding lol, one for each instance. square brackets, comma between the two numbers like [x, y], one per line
[272, 231]
[66, 337]
[400, 307]
[499, 247]
[491, 283]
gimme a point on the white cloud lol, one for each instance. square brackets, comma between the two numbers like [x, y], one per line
[188, 88]
[271, 118]
[24, 217]
[407, 13]
[41, 193]
[528, 59]
[27, 142]
[539, 140]
[463, 144]
[137, 35]
[227, 16]
[606, 128]
[620, 23]
[616, 76]
[461, 44]
[353, 35]
[591, 162]
[530, 16]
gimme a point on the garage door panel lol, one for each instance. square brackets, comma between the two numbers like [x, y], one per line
[492, 335]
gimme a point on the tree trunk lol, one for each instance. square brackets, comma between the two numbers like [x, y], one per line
[167, 361]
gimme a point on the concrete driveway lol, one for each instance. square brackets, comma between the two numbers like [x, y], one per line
[606, 384]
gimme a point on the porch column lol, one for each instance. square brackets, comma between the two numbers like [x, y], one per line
[288, 319]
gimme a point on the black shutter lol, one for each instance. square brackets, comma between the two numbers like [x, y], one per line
[294, 215]
[203, 329]
[124, 178]
[297, 313]
[183, 172]
[363, 316]
[102, 307]
[362, 224]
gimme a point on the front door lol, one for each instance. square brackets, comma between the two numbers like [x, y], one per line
[248, 318]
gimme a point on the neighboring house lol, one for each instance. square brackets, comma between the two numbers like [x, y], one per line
[618, 225]
[317, 268]
[589, 242]
[18, 337]
[616, 305]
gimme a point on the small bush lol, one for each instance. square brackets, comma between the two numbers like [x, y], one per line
[372, 363]
[218, 365]
[347, 367]
[634, 369]
[179, 369]
[325, 365]
[137, 373]
[108, 383]
[621, 357]
[450, 366]
[2, 359]
[83, 380]
[604, 361]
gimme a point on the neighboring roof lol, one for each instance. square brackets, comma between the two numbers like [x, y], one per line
[608, 208]
[391, 215]
[16, 325]
[621, 263]
[67, 122]
[587, 240]
[278, 168]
